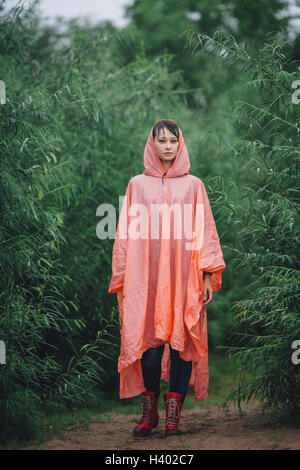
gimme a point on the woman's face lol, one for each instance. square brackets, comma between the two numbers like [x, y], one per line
[166, 145]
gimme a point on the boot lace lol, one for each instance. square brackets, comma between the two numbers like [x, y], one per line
[173, 412]
[146, 405]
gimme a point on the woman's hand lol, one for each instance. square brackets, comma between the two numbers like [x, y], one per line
[207, 290]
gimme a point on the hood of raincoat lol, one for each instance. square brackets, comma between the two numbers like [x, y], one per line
[153, 165]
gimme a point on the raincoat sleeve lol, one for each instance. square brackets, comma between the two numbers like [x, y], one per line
[119, 254]
[210, 256]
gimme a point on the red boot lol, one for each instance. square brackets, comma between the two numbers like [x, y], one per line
[173, 405]
[150, 416]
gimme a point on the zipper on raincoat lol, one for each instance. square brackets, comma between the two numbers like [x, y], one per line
[162, 178]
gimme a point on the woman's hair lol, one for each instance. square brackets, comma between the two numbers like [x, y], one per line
[170, 125]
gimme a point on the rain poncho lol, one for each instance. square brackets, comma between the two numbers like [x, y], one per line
[159, 279]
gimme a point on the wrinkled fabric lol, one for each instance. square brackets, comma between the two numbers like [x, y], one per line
[158, 281]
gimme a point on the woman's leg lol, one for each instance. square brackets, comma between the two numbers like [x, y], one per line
[151, 367]
[180, 373]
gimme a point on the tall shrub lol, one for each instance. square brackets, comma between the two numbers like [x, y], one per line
[76, 106]
[266, 211]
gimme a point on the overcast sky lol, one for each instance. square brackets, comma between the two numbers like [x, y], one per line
[95, 10]
[113, 10]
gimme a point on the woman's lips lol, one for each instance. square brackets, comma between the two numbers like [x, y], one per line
[168, 153]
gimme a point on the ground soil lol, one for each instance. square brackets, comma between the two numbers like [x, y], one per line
[203, 428]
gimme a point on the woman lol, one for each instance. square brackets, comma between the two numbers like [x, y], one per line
[166, 263]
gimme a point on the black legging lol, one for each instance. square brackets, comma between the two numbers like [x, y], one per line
[180, 370]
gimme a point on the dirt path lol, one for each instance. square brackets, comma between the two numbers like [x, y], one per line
[204, 428]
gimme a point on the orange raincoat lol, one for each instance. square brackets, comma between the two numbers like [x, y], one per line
[159, 279]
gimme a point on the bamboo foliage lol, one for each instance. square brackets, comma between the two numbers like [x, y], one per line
[267, 321]
[71, 111]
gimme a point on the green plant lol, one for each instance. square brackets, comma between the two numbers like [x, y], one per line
[267, 215]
